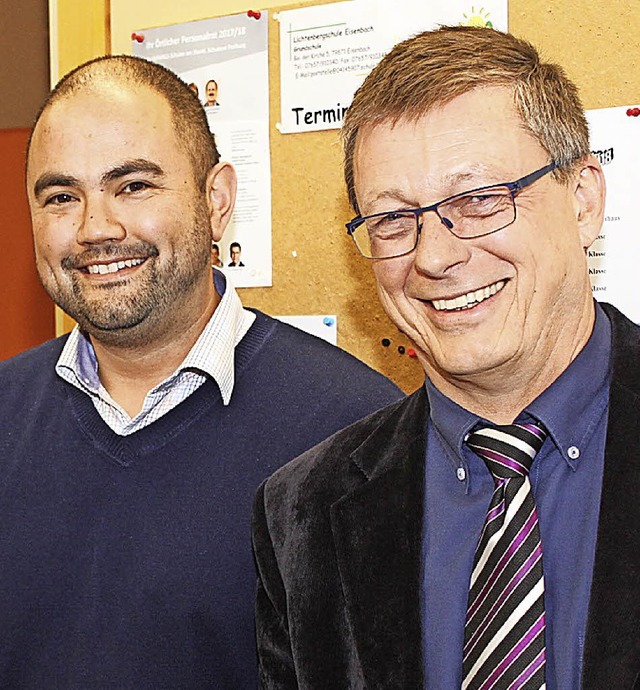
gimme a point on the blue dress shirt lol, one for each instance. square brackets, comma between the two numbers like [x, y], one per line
[566, 477]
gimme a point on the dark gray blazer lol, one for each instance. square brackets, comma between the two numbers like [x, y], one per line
[337, 537]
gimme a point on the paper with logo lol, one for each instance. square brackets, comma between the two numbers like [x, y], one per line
[613, 257]
[326, 51]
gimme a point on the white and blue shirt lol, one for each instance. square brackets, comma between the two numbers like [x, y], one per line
[212, 356]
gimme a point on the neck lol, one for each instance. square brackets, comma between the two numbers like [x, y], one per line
[501, 394]
[129, 370]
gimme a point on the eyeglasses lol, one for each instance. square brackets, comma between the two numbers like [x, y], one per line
[472, 214]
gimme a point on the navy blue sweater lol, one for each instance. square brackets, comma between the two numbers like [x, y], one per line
[126, 561]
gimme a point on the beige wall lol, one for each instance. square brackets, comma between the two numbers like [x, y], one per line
[24, 61]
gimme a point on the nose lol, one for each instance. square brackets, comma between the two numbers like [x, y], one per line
[439, 251]
[98, 223]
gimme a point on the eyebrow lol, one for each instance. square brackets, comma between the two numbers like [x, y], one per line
[450, 180]
[138, 165]
[474, 174]
[129, 167]
[54, 180]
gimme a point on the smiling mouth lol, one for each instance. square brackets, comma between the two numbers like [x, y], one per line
[471, 299]
[113, 267]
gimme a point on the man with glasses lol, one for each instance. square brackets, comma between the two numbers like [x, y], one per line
[483, 533]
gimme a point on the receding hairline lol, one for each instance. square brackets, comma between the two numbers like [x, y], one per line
[188, 115]
[97, 78]
[89, 88]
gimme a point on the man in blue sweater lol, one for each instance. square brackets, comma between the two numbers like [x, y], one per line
[131, 449]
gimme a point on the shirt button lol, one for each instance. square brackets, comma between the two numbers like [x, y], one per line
[573, 453]
[461, 474]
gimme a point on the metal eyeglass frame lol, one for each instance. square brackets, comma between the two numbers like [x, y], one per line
[514, 189]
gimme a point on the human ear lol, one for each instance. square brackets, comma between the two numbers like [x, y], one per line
[221, 185]
[589, 190]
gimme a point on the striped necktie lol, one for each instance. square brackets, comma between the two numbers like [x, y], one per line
[504, 629]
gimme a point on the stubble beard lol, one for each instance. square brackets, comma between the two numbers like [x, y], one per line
[125, 313]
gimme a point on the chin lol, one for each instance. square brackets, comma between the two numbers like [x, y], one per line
[467, 362]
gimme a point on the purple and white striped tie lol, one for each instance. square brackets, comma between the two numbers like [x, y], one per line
[504, 645]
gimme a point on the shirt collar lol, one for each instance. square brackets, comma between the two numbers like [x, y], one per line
[570, 408]
[212, 354]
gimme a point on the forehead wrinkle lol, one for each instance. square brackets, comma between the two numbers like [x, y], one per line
[394, 196]
[477, 174]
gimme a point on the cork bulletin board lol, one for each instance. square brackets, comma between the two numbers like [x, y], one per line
[316, 270]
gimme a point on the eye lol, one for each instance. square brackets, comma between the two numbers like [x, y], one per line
[134, 187]
[396, 221]
[483, 203]
[59, 199]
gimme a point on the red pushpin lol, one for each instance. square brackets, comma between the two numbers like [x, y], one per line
[137, 37]
[411, 352]
[254, 14]
[633, 112]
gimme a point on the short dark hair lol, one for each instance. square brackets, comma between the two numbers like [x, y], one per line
[434, 67]
[188, 115]
[235, 244]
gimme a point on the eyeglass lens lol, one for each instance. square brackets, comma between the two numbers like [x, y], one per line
[466, 216]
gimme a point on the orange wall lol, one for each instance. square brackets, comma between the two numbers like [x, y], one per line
[26, 313]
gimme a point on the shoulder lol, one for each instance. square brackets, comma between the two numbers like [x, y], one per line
[32, 363]
[305, 357]
[352, 456]
[625, 344]
[29, 383]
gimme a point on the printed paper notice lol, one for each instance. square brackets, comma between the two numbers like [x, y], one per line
[225, 63]
[613, 258]
[326, 51]
[325, 326]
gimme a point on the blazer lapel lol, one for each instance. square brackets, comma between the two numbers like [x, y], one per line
[612, 647]
[377, 531]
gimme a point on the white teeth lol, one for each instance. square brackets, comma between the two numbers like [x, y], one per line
[468, 300]
[113, 267]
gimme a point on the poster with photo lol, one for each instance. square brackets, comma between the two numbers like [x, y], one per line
[224, 61]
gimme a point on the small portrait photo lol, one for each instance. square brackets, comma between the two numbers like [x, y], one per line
[216, 262]
[235, 250]
[211, 93]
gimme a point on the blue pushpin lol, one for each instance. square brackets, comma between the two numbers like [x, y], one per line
[328, 321]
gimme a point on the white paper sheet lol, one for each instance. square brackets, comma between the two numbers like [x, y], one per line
[324, 326]
[613, 258]
[232, 51]
[326, 51]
